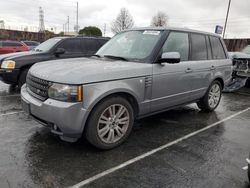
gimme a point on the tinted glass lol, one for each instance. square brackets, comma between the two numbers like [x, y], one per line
[89, 46]
[217, 49]
[30, 43]
[199, 47]
[12, 44]
[177, 42]
[132, 45]
[71, 45]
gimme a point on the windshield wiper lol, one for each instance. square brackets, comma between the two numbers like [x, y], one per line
[116, 57]
[96, 55]
[38, 50]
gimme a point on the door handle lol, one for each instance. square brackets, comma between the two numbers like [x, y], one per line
[189, 70]
[212, 68]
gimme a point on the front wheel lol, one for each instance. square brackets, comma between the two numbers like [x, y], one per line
[212, 97]
[22, 78]
[110, 123]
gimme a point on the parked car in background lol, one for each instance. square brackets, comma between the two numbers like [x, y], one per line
[14, 67]
[12, 46]
[246, 50]
[138, 73]
[241, 63]
[31, 44]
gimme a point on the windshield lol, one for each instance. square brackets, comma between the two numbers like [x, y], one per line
[246, 50]
[47, 45]
[131, 45]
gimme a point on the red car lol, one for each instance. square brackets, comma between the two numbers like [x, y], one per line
[12, 46]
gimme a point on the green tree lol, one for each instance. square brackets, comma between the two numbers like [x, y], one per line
[91, 31]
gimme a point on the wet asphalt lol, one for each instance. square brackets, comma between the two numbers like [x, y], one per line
[30, 156]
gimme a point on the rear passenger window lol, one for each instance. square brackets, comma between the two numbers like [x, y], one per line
[217, 48]
[90, 46]
[177, 42]
[71, 46]
[199, 47]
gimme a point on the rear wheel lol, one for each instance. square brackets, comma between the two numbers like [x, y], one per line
[110, 123]
[22, 78]
[212, 97]
[248, 83]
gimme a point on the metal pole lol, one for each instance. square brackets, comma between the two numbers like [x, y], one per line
[77, 29]
[104, 30]
[225, 26]
[68, 24]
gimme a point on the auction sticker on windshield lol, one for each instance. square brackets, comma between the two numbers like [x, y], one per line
[151, 32]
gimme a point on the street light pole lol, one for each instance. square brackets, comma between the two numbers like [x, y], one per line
[225, 26]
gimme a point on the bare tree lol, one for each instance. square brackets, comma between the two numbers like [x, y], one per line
[160, 20]
[124, 20]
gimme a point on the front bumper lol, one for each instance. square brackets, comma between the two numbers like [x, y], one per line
[9, 76]
[63, 118]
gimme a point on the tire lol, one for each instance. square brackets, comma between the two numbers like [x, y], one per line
[111, 132]
[22, 78]
[249, 170]
[204, 104]
[248, 83]
[249, 173]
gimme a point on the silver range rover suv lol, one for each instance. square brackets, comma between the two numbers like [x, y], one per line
[138, 73]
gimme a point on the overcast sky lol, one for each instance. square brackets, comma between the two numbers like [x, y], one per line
[195, 14]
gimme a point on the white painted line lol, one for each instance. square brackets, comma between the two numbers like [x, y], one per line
[245, 168]
[131, 161]
[11, 113]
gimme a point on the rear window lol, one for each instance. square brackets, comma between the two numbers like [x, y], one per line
[29, 43]
[217, 48]
[11, 44]
[199, 47]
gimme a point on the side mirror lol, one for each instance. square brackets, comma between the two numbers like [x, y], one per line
[170, 57]
[59, 51]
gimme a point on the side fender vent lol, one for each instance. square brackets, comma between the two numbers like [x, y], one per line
[148, 81]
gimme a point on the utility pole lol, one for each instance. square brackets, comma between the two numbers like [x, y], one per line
[77, 26]
[104, 30]
[41, 20]
[68, 24]
[225, 26]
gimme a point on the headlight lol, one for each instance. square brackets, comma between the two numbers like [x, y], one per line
[65, 93]
[8, 64]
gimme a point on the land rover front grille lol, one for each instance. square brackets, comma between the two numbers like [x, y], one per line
[37, 87]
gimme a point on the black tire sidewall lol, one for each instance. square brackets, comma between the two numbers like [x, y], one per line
[91, 126]
[204, 102]
[22, 78]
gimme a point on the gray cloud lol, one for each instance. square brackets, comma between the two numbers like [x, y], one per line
[196, 14]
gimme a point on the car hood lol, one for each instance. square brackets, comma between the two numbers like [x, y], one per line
[239, 55]
[14, 56]
[88, 70]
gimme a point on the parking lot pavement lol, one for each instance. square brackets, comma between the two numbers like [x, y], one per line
[32, 157]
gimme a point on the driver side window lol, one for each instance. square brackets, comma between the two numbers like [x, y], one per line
[177, 42]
